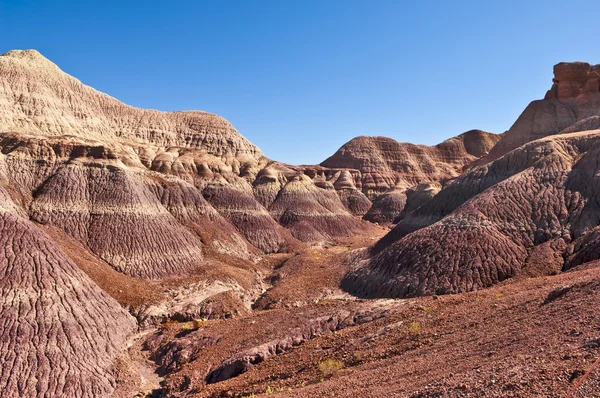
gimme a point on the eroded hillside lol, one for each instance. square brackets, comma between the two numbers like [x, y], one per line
[242, 275]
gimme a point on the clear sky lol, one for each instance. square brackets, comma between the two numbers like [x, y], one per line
[300, 78]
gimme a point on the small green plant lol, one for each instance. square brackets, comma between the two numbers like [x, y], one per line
[330, 366]
[193, 325]
[271, 390]
[197, 323]
[500, 295]
[187, 327]
[415, 328]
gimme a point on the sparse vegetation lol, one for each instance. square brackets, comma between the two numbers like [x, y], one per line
[187, 327]
[329, 367]
[415, 328]
[193, 325]
[271, 390]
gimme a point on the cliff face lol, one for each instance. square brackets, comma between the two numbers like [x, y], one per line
[572, 103]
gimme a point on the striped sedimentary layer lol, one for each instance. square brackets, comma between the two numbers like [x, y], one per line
[385, 164]
[52, 103]
[532, 211]
[312, 213]
[61, 332]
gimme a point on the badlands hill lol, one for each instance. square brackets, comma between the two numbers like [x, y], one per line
[117, 219]
[385, 164]
[399, 177]
[532, 211]
[98, 196]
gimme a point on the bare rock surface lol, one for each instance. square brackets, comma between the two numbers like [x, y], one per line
[177, 218]
[38, 100]
[480, 230]
[60, 331]
[385, 163]
[392, 206]
[52, 103]
[305, 208]
[529, 337]
[249, 217]
[180, 348]
[574, 97]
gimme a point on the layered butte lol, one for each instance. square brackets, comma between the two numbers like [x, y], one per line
[573, 100]
[385, 164]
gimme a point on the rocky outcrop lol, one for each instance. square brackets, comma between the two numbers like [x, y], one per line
[227, 355]
[245, 360]
[385, 164]
[354, 200]
[482, 228]
[574, 78]
[574, 97]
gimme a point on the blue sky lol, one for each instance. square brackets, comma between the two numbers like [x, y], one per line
[300, 78]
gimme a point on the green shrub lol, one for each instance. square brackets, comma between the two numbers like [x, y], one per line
[329, 366]
[415, 328]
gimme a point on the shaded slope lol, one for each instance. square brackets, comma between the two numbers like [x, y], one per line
[95, 203]
[249, 217]
[312, 213]
[392, 206]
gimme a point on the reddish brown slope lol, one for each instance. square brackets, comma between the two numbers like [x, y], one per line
[60, 332]
[385, 163]
[533, 337]
[312, 213]
[540, 198]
